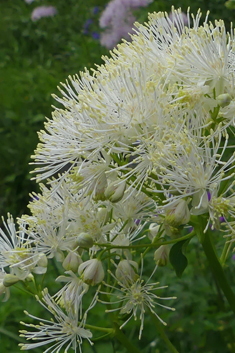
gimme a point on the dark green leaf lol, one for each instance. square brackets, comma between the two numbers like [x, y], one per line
[177, 257]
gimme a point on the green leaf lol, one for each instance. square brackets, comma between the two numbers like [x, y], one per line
[177, 257]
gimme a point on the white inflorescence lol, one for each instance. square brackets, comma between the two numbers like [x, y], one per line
[139, 148]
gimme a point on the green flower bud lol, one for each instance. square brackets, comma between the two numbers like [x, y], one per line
[10, 280]
[84, 240]
[30, 277]
[224, 99]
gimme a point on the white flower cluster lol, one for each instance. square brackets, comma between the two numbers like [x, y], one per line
[142, 146]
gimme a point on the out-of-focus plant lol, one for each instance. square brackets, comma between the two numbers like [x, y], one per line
[118, 20]
[230, 4]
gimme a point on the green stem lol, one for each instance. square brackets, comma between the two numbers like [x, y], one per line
[224, 254]
[160, 329]
[101, 329]
[217, 269]
[11, 335]
[153, 245]
[124, 341]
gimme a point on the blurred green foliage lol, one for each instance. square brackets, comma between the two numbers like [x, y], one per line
[34, 58]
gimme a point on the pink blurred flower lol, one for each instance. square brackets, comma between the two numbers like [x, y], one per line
[43, 11]
[118, 20]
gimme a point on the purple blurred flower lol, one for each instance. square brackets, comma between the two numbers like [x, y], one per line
[118, 20]
[233, 257]
[95, 35]
[95, 10]
[87, 25]
[43, 11]
[222, 219]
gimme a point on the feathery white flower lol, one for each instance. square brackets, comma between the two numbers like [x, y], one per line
[63, 333]
[135, 296]
[15, 249]
[195, 168]
[70, 296]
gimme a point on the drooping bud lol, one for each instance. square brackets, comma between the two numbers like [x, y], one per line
[115, 191]
[30, 277]
[153, 230]
[72, 261]
[224, 99]
[178, 213]
[42, 262]
[170, 230]
[84, 240]
[103, 215]
[161, 255]
[91, 272]
[59, 255]
[182, 214]
[10, 280]
[100, 188]
[126, 271]
[4, 290]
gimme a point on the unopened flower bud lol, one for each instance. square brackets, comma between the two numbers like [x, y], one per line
[126, 271]
[153, 230]
[29, 278]
[170, 230]
[161, 255]
[115, 191]
[71, 262]
[91, 272]
[100, 188]
[42, 262]
[4, 290]
[10, 280]
[182, 214]
[178, 213]
[59, 255]
[103, 215]
[84, 240]
[224, 99]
